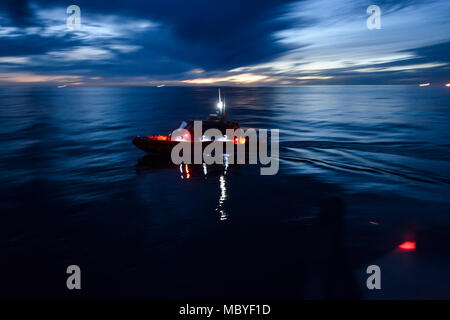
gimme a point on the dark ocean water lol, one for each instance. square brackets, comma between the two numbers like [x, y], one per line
[73, 191]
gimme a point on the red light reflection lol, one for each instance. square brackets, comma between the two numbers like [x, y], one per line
[188, 175]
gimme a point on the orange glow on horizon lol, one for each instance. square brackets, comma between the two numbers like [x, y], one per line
[30, 78]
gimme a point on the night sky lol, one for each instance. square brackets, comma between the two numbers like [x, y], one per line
[234, 42]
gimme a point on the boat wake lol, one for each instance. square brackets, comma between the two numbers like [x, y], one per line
[399, 161]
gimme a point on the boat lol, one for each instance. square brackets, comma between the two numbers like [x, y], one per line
[160, 145]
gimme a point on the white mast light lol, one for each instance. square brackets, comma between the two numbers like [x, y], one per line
[221, 107]
[220, 103]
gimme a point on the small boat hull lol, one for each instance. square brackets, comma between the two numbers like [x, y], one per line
[164, 147]
[154, 147]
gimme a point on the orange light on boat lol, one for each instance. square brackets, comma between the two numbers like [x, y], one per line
[159, 138]
[447, 85]
[408, 245]
[424, 84]
[240, 140]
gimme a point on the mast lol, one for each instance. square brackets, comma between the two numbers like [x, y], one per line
[221, 106]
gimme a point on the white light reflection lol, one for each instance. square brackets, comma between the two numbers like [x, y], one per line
[225, 162]
[223, 197]
[186, 171]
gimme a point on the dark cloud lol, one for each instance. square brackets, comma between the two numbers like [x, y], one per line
[216, 34]
[18, 11]
[437, 52]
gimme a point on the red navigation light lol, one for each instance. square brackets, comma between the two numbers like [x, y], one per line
[241, 140]
[408, 245]
[159, 138]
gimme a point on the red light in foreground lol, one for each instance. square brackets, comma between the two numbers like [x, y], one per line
[408, 245]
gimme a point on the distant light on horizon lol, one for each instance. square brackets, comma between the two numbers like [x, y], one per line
[447, 85]
[424, 84]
